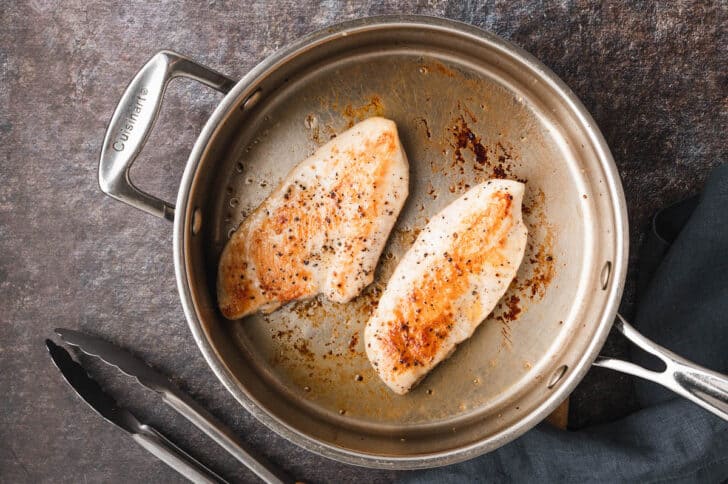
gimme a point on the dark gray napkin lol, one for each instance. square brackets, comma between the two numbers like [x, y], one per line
[684, 307]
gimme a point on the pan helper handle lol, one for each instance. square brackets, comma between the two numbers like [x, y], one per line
[707, 388]
[133, 120]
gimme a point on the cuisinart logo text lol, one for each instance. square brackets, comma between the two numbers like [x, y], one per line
[132, 116]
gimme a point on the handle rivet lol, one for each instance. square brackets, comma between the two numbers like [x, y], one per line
[251, 101]
[557, 376]
[606, 272]
[196, 221]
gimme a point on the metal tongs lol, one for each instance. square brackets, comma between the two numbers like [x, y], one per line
[153, 441]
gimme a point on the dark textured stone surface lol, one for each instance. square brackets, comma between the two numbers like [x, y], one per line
[653, 76]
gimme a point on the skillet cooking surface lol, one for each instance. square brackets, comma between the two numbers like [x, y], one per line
[458, 130]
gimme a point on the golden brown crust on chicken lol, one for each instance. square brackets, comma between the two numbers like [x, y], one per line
[448, 282]
[324, 227]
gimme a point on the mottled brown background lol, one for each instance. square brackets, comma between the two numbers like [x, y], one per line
[653, 74]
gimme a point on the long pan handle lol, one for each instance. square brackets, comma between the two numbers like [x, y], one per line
[707, 388]
[218, 432]
[176, 458]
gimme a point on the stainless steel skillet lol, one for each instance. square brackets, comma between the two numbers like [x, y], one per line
[469, 106]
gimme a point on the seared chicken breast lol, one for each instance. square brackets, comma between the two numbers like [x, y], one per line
[447, 283]
[323, 229]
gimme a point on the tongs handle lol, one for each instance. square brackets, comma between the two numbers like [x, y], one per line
[217, 431]
[176, 458]
[707, 388]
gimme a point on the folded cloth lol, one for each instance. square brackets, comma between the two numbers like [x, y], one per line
[684, 307]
